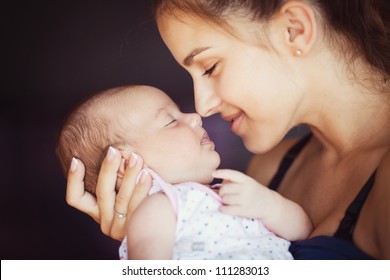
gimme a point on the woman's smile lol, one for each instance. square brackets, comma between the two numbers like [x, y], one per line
[235, 121]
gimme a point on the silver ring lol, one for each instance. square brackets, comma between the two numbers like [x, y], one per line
[120, 215]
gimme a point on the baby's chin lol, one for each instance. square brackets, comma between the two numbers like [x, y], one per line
[206, 181]
[205, 177]
[208, 178]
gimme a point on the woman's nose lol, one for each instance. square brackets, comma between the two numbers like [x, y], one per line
[206, 102]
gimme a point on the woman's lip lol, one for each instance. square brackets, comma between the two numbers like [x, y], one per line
[235, 122]
[231, 118]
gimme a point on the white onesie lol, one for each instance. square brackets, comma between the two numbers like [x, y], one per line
[203, 232]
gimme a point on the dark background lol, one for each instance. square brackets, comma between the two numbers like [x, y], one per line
[54, 55]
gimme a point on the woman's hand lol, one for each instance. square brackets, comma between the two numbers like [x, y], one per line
[110, 209]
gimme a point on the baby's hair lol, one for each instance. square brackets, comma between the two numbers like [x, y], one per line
[357, 28]
[86, 134]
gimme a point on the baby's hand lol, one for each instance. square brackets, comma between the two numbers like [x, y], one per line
[243, 196]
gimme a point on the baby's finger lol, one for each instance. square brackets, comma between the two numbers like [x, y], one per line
[105, 189]
[76, 196]
[230, 175]
[231, 199]
[229, 188]
[232, 210]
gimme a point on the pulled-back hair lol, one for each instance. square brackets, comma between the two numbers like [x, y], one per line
[87, 134]
[362, 25]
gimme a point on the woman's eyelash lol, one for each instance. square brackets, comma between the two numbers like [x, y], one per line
[210, 71]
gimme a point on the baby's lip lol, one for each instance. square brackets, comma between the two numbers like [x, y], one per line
[205, 139]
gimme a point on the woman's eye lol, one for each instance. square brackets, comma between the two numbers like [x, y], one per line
[210, 71]
[171, 122]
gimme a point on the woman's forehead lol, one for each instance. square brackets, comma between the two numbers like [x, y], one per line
[183, 35]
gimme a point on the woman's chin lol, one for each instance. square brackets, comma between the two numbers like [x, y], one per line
[256, 147]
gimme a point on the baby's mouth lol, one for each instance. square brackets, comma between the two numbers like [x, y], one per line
[205, 139]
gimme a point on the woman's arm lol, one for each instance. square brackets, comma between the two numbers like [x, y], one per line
[244, 196]
[101, 208]
[151, 229]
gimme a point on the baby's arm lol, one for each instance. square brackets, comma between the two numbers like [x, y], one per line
[243, 196]
[151, 229]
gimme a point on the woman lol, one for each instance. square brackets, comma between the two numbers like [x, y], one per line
[266, 67]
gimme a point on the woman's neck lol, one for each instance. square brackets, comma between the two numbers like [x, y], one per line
[347, 116]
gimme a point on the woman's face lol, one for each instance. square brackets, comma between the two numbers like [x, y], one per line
[252, 86]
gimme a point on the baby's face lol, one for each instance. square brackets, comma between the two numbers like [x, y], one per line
[172, 143]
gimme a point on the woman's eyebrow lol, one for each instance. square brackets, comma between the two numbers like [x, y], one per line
[190, 58]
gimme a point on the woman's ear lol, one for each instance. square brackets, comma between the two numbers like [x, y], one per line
[300, 27]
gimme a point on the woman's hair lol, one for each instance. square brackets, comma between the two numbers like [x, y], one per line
[362, 25]
[87, 134]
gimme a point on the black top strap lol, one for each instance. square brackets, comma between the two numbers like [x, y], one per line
[287, 161]
[347, 224]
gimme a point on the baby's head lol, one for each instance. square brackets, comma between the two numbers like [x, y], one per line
[143, 120]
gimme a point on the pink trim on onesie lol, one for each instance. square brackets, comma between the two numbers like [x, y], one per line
[160, 184]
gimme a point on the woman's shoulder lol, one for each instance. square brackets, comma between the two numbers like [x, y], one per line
[382, 178]
[262, 167]
[381, 207]
[384, 166]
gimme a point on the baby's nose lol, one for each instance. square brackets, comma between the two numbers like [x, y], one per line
[196, 120]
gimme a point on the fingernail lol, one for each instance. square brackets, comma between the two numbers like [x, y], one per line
[111, 153]
[73, 165]
[142, 176]
[133, 160]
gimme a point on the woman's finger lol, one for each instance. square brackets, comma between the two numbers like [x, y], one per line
[141, 191]
[105, 188]
[128, 183]
[76, 196]
[124, 195]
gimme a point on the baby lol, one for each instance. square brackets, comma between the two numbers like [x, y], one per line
[181, 218]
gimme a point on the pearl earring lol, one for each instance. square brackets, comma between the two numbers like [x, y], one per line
[298, 52]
